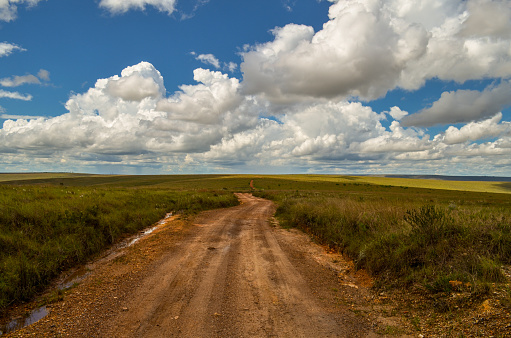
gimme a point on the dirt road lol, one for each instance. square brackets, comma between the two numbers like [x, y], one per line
[230, 274]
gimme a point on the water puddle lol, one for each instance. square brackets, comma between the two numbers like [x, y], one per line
[148, 231]
[75, 277]
[20, 323]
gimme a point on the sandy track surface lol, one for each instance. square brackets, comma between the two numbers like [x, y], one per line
[229, 274]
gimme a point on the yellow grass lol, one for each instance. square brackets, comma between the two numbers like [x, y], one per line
[475, 186]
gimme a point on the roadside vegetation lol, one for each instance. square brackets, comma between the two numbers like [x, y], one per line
[47, 229]
[442, 240]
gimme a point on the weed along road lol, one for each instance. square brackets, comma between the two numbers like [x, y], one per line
[229, 273]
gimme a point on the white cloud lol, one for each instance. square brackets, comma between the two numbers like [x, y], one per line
[488, 18]
[134, 92]
[128, 116]
[15, 95]
[209, 59]
[397, 113]
[455, 52]
[357, 53]
[136, 83]
[9, 8]
[463, 106]
[477, 130]
[215, 95]
[17, 117]
[7, 48]
[16, 81]
[128, 120]
[201, 115]
[44, 75]
[369, 47]
[231, 66]
[122, 6]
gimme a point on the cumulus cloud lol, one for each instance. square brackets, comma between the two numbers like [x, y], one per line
[9, 8]
[200, 115]
[369, 47]
[129, 120]
[122, 6]
[463, 106]
[215, 95]
[455, 52]
[478, 23]
[15, 95]
[104, 122]
[6, 49]
[135, 91]
[476, 130]
[17, 117]
[356, 54]
[129, 115]
[136, 83]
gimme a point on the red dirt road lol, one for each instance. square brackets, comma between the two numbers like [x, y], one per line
[231, 274]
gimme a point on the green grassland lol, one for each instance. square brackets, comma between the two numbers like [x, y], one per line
[48, 227]
[403, 231]
[5, 177]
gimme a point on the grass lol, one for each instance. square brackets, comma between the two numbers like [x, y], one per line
[471, 186]
[406, 235]
[46, 229]
[239, 182]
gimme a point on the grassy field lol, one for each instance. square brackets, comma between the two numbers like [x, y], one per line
[400, 232]
[47, 228]
[38, 176]
[239, 182]
[403, 231]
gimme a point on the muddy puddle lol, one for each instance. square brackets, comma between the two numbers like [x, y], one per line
[148, 231]
[19, 323]
[83, 272]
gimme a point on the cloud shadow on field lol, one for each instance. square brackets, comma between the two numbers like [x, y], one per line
[505, 185]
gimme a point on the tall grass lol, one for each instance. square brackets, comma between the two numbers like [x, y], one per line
[44, 230]
[401, 241]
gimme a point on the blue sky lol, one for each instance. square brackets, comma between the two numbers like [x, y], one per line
[274, 86]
